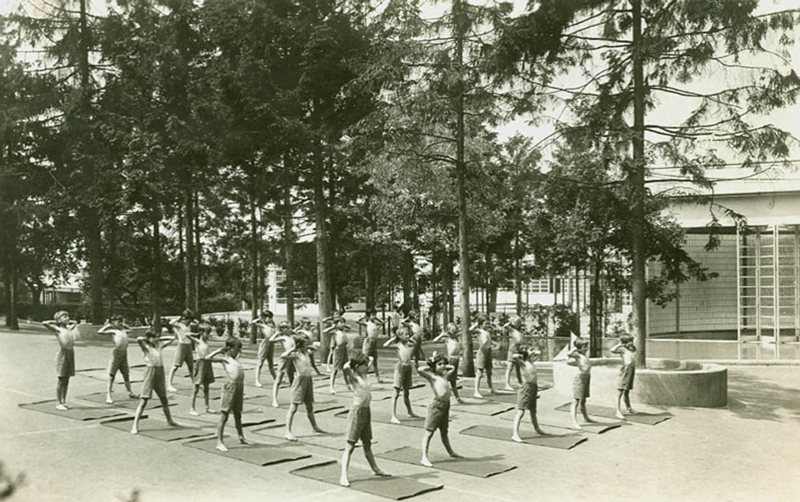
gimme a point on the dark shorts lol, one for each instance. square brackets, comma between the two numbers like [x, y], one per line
[402, 376]
[626, 376]
[303, 390]
[183, 354]
[340, 356]
[485, 361]
[370, 348]
[154, 380]
[359, 425]
[203, 372]
[265, 350]
[118, 362]
[453, 361]
[438, 416]
[580, 385]
[526, 397]
[232, 397]
[65, 363]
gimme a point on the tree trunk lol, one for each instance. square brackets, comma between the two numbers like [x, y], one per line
[491, 285]
[517, 275]
[189, 259]
[254, 300]
[637, 191]
[369, 283]
[94, 247]
[461, 170]
[156, 278]
[288, 242]
[595, 320]
[198, 254]
[408, 280]
[323, 277]
[112, 268]
[447, 277]
[10, 270]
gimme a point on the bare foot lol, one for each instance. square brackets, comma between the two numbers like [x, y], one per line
[577, 427]
[319, 431]
[61, 407]
[459, 400]
[426, 462]
[221, 447]
[344, 481]
[333, 391]
[380, 473]
[516, 438]
[630, 410]
[173, 423]
[242, 440]
[209, 410]
[455, 455]
[477, 395]
[508, 387]
[172, 389]
[395, 420]
[290, 436]
[134, 431]
[194, 413]
[589, 420]
[414, 415]
[275, 404]
[259, 384]
[133, 396]
[492, 391]
[109, 400]
[619, 415]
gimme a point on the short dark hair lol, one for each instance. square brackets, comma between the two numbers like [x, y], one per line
[581, 343]
[358, 359]
[117, 317]
[187, 314]
[233, 343]
[434, 360]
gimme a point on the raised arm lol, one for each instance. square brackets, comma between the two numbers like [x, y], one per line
[106, 329]
[616, 349]
[168, 340]
[51, 325]
[425, 373]
[441, 335]
[390, 341]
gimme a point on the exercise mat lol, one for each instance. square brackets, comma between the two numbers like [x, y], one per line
[75, 412]
[561, 441]
[123, 401]
[478, 467]
[253, 453]
[160, 430]
[363, 480]
[639, 418]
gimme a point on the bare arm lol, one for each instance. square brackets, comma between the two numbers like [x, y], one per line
[441, 335]
[168, 340]
[390, 341]
[105, 330]
[51, 325]
[425, 373]
[616, 349]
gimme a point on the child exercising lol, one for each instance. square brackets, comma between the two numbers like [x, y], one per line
[266, 328]
[183, 354]
[453, 344]
[66, 332]
[302, 387]
[285, 365]
[402, 372]
[514, 339]
[233, 391]
[370, 349]
[203, 370]
[528, 392]
[359, 419]
[484, 357]
[438, 417]
[582, 382]
[339, 340]
[154, 379]
[627, 351]
[119, 355]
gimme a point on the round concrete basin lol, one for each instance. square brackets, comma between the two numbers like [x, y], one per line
[665, 382]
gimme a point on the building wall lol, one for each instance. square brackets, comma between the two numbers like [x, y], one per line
[704, 306]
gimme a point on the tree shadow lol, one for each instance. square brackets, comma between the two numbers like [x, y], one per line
[755, 398]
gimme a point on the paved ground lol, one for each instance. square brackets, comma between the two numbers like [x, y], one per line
[749, 451]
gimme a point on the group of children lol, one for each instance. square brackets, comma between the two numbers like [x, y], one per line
[297, 365]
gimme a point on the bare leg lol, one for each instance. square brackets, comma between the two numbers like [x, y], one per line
[583, 411]
[517, 420]
[289, 420]
[395, 395]
[207, 397]
[259, 365]
[371, 459]
[223, 418]
[426, 442]
[477, 392]
[628, 401]
[314, 364]
[165, 407]
[138, 415]
[348, 452]
[237, 421]
[270, 364]
[407, 401]
[312, 418]
[446, 443]
[66, 388]
[619, 414]
[172, 371]
[110, 389]
[126, 377]
[333, 380]
[275, 386]
[454, 387]
[375, 366]
[535, 421]
[574, 412]
[509, 368]
[196, 390]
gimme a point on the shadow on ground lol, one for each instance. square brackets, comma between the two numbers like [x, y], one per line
[755, 398]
